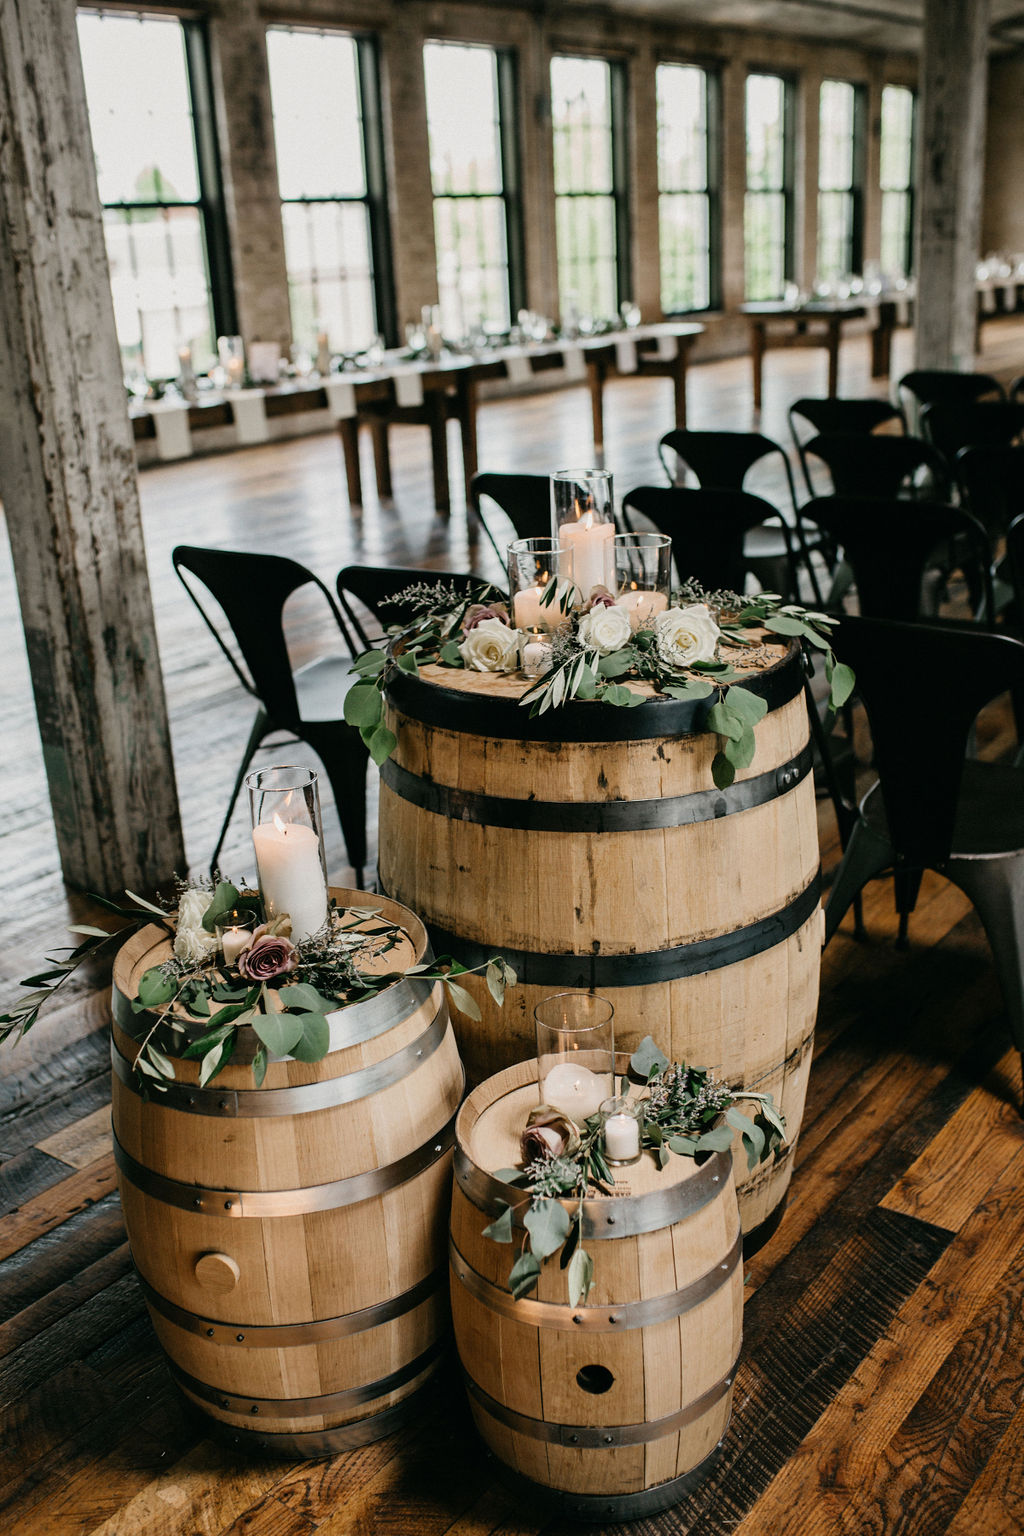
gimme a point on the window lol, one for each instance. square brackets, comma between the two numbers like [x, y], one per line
[840, 180]
[477, 228]
[897, 181]
[158, 179]
[686, 212]
[591, 220]
[767, 211]
[323, 88]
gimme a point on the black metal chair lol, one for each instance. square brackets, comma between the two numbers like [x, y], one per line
[950, 427]
[861, 417]
[891, 546]
[375, 587]
[923, 686]
[884, 467]
[929, 386]
[721, 461]
[251, 591]
[991, 482]
[1016, 389]
[709, 529]
[524, 499]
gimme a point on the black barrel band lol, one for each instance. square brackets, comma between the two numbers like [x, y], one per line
[306, 1407]
[475, 714]
[284, 1335]
[603, 1436]
[268, 1203]
[608, 1508]
[610, 1318]
[306, 1444]
[595, 815]
[649, 967]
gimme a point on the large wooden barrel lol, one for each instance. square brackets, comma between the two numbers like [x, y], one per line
[290, 1239]
[590, 846]
[615, 1408]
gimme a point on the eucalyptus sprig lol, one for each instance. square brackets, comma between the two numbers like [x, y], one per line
[679, 1113]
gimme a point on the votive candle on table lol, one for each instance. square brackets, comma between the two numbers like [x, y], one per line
[621, 1132]
[575, 1052]
[576, 1091]
[642, 606]
[533, 565]
[643, 570]
[235, 935]
[285, 808]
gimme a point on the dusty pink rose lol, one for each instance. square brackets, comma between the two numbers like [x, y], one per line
[268, 955]
[549, 1133]
[599, 598]
[477, 612]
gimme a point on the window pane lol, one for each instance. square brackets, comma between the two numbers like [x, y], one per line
[462, 118]
[318, 128]
[765, 234]
[896, 180]
[160, 288]
[581, 108]
[835, 235]
[330, 280]
[585, 230]
[684, 226]
[895, 234]
[765, 210]
[766, 162]
[472, 264]
[835, 136]
[140, 110]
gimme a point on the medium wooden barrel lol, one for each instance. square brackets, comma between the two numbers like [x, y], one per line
[615, 1408]
[290, 1239]
[590, 846]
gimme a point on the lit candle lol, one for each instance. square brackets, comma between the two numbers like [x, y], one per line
[576, 1091]
[323, 354]
[291, 874]
[235, 936]
[185, 358]
[593, 551]
[527, 610]
[642, 605]
[235, 370]
[536, 657]
[621, 1138]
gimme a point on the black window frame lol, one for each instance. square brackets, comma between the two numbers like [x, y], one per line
[618, 102]
[910, 190]
[712, 72]
[788, 188]
[858, 169]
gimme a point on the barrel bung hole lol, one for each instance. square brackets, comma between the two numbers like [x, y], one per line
[595, 1379]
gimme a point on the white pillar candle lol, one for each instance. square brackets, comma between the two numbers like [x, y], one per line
[527, 610]
[235, 370]
[291, 874]
[642, 606]
[621, 1138]
[593, 552]
[576, 1091]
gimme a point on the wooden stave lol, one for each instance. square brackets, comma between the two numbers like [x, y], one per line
[632, 1473]
[784, 973]
[282, 1419]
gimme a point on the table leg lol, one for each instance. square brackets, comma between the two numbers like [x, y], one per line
[348, 431]
[595, 379]
[381, 457]
[437, 419]
[679, 381]
[834, 333]
[757, 350]
[465, 409]
[881, 342]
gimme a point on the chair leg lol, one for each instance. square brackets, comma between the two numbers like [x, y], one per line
[256, 735]
[996, 888]
[867, 854]
[345, 759]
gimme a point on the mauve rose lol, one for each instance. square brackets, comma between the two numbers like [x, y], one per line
[549, 1133]
[268, 955]
[599, 598]
[477, 612]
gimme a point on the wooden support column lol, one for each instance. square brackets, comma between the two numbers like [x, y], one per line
[67, 476]
[951, 165]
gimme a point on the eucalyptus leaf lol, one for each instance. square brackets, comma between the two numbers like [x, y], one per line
[155, 988]
[369, 663]
[548, 1225]
[683, 1146]
[407, 663]
[740, 753]
[692, 690]
[524, 1275]
[315, 1040]
[784, 624]
[364, 705]
[500, 1229]
[615, 664]
[646, 1058]
[279, 1032]
[722, 771]
[725, 721]
[843, 683]
[717, 1140]
[259, 1066]
[381, 743]
[750, 707]
[305, 997]
[450, 654]
[580, 1277]
[621, 696]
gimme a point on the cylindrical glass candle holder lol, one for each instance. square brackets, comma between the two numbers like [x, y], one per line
[235, 935]
[621, 1130]
[287, 834]
[540, 585]
[583, 520]
[575, 1052]
[643, 568]
[231, 355]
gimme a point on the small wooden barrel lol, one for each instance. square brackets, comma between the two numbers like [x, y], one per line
[591, 848]
[616, 1408]
[290, 1238]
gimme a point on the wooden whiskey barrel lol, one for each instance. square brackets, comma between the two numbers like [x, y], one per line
[290, 1238]
[616, 1408]
[590, 846]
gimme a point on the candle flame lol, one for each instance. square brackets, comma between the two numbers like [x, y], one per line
[587, 521]
[633, 586]
[279, 824]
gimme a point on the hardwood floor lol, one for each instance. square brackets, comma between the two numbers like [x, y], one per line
[881, 1388]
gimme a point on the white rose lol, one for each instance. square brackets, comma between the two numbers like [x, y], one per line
[491, 646]
[686, 635]
[605, 629]
[192, 943]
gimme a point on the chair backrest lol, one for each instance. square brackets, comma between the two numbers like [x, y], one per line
[880, 466]
[950, 426]
[375, 585]
[929, 385]
[705, 526]
[923, 686]
[251, 591]
[524, 499]
[1015, 555]
[721, 461]
[1016, 389]
[860, 416]
[890, 544]
[992, 480]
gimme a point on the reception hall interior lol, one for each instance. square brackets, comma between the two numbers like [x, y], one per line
[663, 362]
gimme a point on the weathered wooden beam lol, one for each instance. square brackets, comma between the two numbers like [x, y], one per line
[950, 176]
[67, 476]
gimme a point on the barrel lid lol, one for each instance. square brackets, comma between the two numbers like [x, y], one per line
[487, 703]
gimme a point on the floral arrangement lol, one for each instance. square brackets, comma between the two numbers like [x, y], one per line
[680, 1111]
[283, 990]
[685, 652]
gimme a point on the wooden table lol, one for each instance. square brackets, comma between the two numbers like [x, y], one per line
[815, 324]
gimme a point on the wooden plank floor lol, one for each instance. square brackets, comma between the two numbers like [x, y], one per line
[882, 1383]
